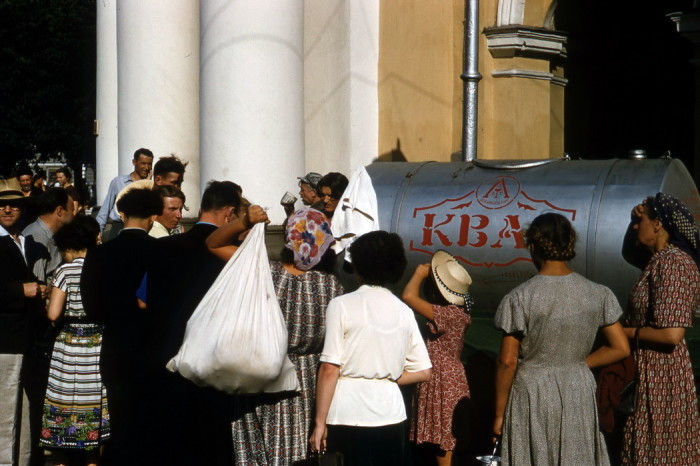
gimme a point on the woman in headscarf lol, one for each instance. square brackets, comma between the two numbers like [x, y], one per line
[273, 428]
[665, 427]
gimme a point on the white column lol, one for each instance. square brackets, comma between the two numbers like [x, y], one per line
[341, 50]
[159, 84]
[106, 142]
[252, 97]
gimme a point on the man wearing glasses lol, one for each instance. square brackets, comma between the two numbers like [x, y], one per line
[21, 306]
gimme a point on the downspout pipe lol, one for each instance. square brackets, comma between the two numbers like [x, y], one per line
[471, 78]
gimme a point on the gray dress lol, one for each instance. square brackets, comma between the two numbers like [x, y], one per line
[551, 416]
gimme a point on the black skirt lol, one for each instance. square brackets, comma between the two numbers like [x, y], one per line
[381, 445]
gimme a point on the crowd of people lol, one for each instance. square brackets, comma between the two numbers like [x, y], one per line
[92, 310]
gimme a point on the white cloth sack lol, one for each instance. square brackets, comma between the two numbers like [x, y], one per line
[356, 213]
[236, 339]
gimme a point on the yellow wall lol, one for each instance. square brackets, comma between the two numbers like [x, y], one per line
[419, 87]
[420, 92]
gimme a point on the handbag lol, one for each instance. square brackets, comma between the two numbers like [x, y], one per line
[628, 394]
[628, 399]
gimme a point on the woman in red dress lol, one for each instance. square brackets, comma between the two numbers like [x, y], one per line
[447, 309]
[665, 427]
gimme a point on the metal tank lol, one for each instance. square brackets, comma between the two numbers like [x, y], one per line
[476, 211]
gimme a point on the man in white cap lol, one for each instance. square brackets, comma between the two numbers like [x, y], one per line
[21, 304]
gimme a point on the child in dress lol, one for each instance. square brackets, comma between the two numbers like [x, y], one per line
[448, 306]
[75, 418]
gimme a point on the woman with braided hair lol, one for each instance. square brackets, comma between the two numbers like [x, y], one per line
[665, 427]
[545, 391]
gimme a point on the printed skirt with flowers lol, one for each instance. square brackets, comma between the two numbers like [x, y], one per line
[75, 407]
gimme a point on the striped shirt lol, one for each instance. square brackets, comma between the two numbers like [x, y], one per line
[68, 280]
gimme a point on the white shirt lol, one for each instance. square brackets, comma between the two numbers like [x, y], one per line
[158, 230]
[20, 245]
[373, 337]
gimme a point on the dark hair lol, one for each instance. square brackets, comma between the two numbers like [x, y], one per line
[140, 203]
[220, 194]
[89, 223]
[326, 264]
[378, 257]
[25, 171]
[551, 237]
[49, 200]
[649, 208]
[432, 293]
[142, 151]
[169, 191]
[166, 165]
[66, 172]
[76, 235]
[39, 174]
[337, 182]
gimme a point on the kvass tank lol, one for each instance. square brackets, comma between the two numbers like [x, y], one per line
[477, 211]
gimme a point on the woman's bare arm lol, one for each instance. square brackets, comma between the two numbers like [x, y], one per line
[408, 378]
[328, 375]
[411, 293]
[506, 365]
[664, 336]
[56, 303]
[618, 347]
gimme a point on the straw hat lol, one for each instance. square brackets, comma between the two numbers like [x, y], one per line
[451, 278]
[10, 189]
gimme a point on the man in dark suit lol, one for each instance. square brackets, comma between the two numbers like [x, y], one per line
[111, 275]
[181, 273]
[21, 312]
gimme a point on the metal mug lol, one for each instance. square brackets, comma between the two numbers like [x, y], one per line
[490, 460]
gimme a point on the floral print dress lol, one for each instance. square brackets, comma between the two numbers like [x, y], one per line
[665, 428]
[437, 399]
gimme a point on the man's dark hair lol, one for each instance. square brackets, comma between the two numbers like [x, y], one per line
[166, 165]
[140, 203]
[66, 172]
[52, 198]
[334, 180]
[142, 151]
[169, 191]
[378, 257]
[77, 235]
[221, 194]
[25, 171]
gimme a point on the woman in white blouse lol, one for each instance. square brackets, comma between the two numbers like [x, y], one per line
[372, 346]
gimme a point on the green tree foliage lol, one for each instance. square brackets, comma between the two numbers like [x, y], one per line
[47, 80]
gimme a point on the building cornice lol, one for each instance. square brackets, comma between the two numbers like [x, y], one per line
[530, 74]
[525, 41]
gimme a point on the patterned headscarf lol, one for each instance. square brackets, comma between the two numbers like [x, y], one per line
[308, 236]
[679, 223]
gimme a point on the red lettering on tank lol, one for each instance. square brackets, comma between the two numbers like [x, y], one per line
[478, 233]
[496, 193]
[429, 230]
[472, 223]
[498, 190]
[511, 230]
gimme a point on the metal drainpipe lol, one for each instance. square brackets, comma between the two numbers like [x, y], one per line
[471, 78]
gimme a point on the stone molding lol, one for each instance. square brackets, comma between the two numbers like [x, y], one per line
[525, 41]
